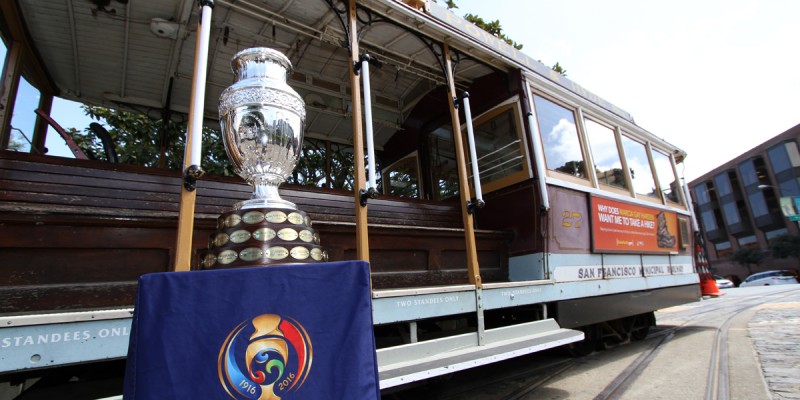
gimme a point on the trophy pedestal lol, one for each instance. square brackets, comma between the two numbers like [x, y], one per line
[262, 236]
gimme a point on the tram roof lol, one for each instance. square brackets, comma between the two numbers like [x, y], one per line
[140, 54]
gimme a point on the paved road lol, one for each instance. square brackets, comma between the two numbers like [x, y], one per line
[742, 345]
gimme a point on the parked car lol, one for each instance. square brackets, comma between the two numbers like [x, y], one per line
[766, 278]
[723, 283]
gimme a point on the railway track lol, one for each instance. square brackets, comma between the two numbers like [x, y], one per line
[537, 375]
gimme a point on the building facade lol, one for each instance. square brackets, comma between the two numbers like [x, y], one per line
[738, 204]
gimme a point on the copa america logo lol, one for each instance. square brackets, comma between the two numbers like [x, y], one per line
[264, 358]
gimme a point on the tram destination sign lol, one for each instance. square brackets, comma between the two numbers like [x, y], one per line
[627, 228]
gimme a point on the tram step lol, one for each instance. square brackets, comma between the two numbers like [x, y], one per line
[417, 361]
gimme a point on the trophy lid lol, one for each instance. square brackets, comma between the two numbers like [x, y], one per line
[255, 62]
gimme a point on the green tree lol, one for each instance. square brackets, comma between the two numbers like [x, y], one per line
[786, 246]
[494, 28]
[138, 140]
[747, 257]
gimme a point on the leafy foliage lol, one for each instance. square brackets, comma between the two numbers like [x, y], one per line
[747, 257]
[141, 140]
[558, 68]
[494, 28]
[786, 246]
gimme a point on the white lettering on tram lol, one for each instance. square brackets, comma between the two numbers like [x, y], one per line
[428, 301]
[62, 337]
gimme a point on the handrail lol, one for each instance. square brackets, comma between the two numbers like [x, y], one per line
[539, 154]
[73, 147]
[372, 186]
[476, 175]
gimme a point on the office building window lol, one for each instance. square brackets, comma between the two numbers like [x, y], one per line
[757, 204]
[731, 213]
[748, 173]
[709, 221]
[776, 233]
[701, 194]
[783, 157]
[723, 184]
[748, 242]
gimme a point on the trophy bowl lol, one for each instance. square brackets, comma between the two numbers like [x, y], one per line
[262, 121]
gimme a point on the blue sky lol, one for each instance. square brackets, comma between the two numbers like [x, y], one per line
[713, 77]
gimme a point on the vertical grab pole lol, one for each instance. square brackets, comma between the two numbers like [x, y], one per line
[473, 268]
[362, 235]
[372, 186]
[473, 156]
[194, 141]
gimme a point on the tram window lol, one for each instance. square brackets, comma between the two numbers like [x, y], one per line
[562, 145]
[311, 165]
[639, 164]
[499, 149]
[342, 167]
[3, 53]
[605, 154]
[666, 176]
[402, 177]
[443, 166]
[23, 119]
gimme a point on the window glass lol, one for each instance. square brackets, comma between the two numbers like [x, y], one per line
[641, 174]
[443, 167]
[23, 119]
[793, 153]
[747, 240]
[723, 184]
[722, 246]
[560, 138]
[779, 158]
[789, 187]
[748, 173]
[342, 167]
[709, 221]
[310, 169]
[498, 146]
[666, 176]
[757, 204]
[731, 213]
[402, 178]
[701, 194]
[776, 233]
[605, 154]
[3, 52]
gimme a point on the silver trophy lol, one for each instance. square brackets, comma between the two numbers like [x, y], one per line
[262, 122]
[262, 126]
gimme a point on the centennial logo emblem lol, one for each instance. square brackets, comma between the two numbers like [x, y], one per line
[266, 357]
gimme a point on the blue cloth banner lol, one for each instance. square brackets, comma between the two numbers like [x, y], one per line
[280, 332]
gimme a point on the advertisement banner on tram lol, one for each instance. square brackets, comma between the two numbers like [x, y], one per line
[628, 228]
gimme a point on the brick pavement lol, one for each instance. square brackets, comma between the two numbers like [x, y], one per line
[775, 333]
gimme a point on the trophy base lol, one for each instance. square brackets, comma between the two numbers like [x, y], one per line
[265, 204]
[262, 236]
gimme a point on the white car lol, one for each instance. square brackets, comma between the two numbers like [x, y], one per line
[767, 278]
[723, 283]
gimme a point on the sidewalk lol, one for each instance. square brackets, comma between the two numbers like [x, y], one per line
[775, 333]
